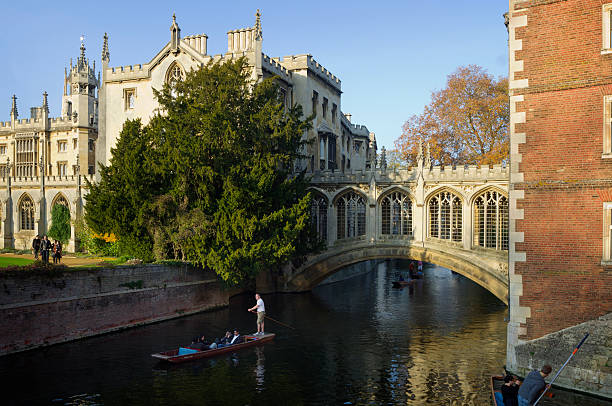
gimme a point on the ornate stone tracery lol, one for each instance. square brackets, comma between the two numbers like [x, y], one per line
[396, 214]
[445, 216]
[351, 213]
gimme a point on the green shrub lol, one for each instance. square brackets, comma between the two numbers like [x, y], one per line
[60, 224]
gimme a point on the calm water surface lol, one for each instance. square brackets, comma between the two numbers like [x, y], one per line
[356, 342]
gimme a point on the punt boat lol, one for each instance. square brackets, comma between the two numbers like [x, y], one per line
[401, 284]
[496, 383]
[177, 355]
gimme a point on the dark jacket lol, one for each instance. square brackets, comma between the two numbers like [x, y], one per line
[509, 393]
[238, 339]
[36, 244]
[531, 387]
[198, 346]
[45, 245]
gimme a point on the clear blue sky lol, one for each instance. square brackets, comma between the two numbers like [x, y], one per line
[390, 55]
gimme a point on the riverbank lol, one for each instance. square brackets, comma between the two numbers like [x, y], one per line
[38, 309]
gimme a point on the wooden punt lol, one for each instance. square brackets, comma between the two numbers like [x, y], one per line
[249, 341]
[496, 383]
[400, 284]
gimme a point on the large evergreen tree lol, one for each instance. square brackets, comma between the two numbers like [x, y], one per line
[209, 179]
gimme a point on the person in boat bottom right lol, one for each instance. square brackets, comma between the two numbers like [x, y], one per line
[261, 313]
[533, 385]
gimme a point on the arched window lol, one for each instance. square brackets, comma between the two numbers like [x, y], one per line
[396, 210]
[61, 200]
[445, 216]
[351, 211]
[26, 213]
[175, 73]
[491, 220]
[319, 215]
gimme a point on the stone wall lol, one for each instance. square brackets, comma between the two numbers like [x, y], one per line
[38, 309]
[590, 370]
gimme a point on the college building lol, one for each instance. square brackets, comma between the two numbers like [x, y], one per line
[44, 161]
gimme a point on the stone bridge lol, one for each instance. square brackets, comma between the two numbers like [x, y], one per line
[453, 217]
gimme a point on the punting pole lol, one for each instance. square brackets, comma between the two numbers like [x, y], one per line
[561, 369]
[276, 321]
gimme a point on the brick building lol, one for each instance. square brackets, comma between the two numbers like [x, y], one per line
[560, 76]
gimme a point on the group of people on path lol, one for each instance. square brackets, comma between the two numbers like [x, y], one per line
[202, 344]
[43, 247]
[516, 394]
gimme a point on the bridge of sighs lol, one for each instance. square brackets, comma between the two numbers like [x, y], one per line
[453, 217]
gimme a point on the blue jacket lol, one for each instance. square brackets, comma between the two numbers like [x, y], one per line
[531, 387]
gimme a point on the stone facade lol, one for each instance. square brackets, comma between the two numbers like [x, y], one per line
[561, 169]
[43, 160]
[336, 143]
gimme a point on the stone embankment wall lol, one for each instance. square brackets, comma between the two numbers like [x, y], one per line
[43, 309]
[591, 368]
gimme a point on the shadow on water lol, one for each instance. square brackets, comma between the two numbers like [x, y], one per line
[357, 341]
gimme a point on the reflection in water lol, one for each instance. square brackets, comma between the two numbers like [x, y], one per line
[260, 368]
[357, 341]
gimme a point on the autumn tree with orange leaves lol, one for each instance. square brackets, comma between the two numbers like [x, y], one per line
[467, 122]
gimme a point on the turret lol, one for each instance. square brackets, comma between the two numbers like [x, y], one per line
[79, 102]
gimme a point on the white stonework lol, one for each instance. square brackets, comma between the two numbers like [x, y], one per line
[43, 160]
[337, 144]
[518, 313]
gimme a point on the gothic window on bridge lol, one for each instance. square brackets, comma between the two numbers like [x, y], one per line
[491, 220]
[445, 217]
[319, 216]
[396, 210]
[351, 211]
[26, 213]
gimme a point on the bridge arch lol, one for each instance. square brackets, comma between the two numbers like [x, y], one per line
[486, 270]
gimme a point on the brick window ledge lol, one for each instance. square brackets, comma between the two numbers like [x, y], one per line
[606, 51]
[606, 262]
[606, 155]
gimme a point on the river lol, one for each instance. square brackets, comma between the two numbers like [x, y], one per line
[356, 342]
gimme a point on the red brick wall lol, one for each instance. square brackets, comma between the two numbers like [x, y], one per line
[564, 174]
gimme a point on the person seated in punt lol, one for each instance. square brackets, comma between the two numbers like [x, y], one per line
[236, 339]
[226, 340]
[201, 344]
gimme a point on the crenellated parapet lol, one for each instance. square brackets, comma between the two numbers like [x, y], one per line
[306, 61]
[274, 66]
[355, 129]
[435, 174]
